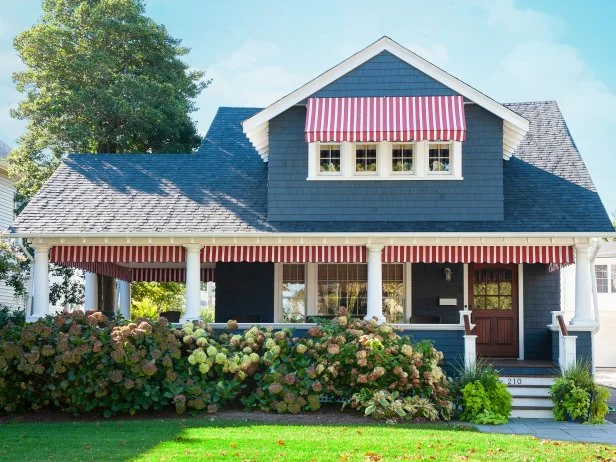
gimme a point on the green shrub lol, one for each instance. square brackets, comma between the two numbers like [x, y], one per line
[383, 405]
[483, 398]
[9, 315]
[84, 362]
[358, 354]
[577, 396]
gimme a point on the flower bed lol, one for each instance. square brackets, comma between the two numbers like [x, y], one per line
[84, 362]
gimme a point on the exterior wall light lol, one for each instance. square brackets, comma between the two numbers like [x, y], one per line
[447, 272]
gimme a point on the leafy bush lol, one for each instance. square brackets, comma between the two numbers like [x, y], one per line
[577, 396]
[149, 299]
[83, 362]
[358, 354]
[383, 405]
[484, 399]
[9, 315]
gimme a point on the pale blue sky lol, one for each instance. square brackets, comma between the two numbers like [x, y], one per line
[512, 50]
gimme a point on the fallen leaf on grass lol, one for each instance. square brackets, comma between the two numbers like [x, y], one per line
[280, 443]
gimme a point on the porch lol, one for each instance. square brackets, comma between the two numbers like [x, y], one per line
[441, 291]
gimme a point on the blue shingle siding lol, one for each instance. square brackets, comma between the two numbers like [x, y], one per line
[583, 347]
[541, 297]
[429, 284]
[479, 197]
[450, 342]
[384, 75]
[244, 289]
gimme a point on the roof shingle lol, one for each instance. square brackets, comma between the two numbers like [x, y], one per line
[223, 189]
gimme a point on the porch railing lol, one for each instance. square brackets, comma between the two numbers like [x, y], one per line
[470, 339]
[567, 344]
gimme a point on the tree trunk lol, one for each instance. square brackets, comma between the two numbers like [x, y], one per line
[106, 293]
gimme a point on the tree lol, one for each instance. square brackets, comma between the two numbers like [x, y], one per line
[149, 299]
[100, 77]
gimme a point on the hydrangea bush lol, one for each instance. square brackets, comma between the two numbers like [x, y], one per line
[82, 362]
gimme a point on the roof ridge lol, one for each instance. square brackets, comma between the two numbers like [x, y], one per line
[544, 101]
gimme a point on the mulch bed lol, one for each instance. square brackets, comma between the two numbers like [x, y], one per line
[329, 414]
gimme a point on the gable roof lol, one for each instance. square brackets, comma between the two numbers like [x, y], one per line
[514, 125]
[222, 189]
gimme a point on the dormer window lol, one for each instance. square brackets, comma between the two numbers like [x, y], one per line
[385, 138]
[439, 158]
[329, 159]
[366, 159]
[402, 159]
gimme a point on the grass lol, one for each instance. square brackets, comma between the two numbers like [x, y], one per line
[205, 439]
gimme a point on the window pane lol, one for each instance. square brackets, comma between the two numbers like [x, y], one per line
[439, 158]
[505, 288]
[491, 303]
[365, 158]
[342, 285]
[505, 303]
[293, 296]
[601, 277]
[329, 158]
[613, 279]
[393, 292]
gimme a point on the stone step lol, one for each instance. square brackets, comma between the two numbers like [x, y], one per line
[531, 413]
[529, 390]
[532, 401]
[525, 380]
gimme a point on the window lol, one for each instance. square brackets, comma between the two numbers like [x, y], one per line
[365, 158]
[385, 161]
[402, 160]
[393, 293]
[602, 279]
[329, 158]
[342, 285]
[293, 293]
[439, 158]
[492, 289]
[613, 279]
[346, 285]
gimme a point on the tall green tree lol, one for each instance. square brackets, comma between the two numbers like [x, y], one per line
[100, 77]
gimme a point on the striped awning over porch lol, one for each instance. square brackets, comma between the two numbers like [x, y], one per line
[168, 274]
[407, 118]
[548, 254]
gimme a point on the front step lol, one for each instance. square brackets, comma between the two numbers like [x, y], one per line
[530, 395]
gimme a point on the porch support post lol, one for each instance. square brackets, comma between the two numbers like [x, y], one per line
[470, 350]
[375, 282]
[193, 282]
[91, 292]
[41, 282]
[124, 299]
[584, 315]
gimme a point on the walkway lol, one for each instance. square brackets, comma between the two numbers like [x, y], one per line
[557, 431]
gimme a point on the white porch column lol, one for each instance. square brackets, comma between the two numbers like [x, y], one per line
[375, 282]
[124, 290]
[584, 315]
[193, 282]
[40, 307]
[91, 291]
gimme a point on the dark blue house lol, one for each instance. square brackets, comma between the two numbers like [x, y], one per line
[385, 186]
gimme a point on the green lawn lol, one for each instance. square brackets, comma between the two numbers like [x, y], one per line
[205, 439]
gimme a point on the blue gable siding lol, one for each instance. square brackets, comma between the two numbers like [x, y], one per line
[479, 196]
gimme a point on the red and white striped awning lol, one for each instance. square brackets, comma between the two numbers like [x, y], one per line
[406, 118]
[553, 254]
[285, 254]
[81, 256]
[167, 274]
[118, 253]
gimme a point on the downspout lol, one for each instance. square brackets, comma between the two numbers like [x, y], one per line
[595, 301]
[23, 248]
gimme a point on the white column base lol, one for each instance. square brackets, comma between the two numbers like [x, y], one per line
[380, 319]
[33, 318]
[470, 350]
[125, 299]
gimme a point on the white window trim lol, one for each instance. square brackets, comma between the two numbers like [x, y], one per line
[390, 156]
[384, 168]
[379, 150]
[609, 264]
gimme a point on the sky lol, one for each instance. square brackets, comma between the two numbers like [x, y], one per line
[259, 51]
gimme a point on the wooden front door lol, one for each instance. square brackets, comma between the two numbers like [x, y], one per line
[493, 296]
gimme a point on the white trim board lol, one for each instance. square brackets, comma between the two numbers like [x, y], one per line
[514, 125]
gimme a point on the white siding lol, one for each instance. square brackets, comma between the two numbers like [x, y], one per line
[7, 195]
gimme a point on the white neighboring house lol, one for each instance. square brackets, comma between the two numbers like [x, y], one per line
[7, 197]
[605, 277]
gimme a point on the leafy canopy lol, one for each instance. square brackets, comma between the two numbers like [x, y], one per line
[100, 77]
